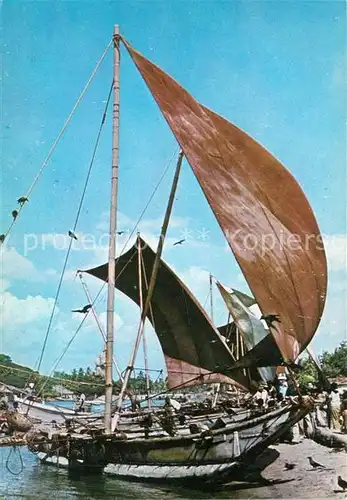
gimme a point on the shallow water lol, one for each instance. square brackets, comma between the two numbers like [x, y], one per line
[42, 482]
[37, 481]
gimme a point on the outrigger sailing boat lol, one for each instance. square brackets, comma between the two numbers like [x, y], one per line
[253, 198]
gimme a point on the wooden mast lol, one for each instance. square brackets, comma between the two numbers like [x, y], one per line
[149, 291]
[144, 343]
[113, 228]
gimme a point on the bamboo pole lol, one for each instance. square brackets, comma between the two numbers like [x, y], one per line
[150, 290]
[113, 229]
[214, 402]
[242, 349]
[211, 299]
[144, 343]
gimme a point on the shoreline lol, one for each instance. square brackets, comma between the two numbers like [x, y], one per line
[301, 482]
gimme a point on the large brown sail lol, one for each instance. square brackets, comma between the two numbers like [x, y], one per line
[262, 210]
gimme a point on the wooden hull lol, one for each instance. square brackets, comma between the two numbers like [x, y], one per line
[211, 457]
[155, 473]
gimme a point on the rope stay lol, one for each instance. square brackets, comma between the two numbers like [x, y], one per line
[74, 226]
[138, 222]
[58, 379]
[23, 199]
[97, 297]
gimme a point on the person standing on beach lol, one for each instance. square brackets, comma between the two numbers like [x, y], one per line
[81, 401]
[344, 412]
[334, 406]
[282, 384]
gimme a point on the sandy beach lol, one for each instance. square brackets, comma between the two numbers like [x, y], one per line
[301, 482]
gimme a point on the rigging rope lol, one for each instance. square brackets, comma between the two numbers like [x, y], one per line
[77, 382]
[55, 143]
[139, 220]
[14, 450]
[62, 355]
[124, 267]
[75, 225]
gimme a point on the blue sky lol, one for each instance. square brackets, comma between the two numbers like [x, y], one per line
[276, 69]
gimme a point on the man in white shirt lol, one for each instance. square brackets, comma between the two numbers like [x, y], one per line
[334, 406]
[81, 402]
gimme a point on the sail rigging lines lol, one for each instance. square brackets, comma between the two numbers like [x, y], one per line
[57, 139]
[59, 359]
[91, 163]
[166, 169]
[97, 320]
[21, 370]
[97, 297]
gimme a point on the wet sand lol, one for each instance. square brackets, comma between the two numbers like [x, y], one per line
[301, 482]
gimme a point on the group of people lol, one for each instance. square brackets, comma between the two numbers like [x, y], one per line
[271, 394]
[335, 405]
[330, 401]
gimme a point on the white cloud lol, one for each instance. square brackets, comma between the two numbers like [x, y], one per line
[17, 312]
[16, 267]
[92, 324]
[336, 250]
[4, 285]
[195, 278]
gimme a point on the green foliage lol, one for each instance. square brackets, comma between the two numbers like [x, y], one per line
[81, 381]
[308, 373]
[14, 374]
[4, 359]
[334, 364]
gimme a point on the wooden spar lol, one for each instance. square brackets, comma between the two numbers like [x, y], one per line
[150, 289]
[113, 229]
[144, 343]
[211, 299]
[214, 402]
[101, 329]
[242, 349]
[321, 377]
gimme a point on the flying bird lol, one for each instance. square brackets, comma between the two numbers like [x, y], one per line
[120, 232]
[179, 242]
[72, 235]
[289, 466]
[270, 318]
[84, 309]
[14, 214]
[2, 238]
[342, 483]
[315, 464]
[22, 200]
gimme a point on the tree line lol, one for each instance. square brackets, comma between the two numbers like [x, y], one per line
[334, 364]
[77, 381]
